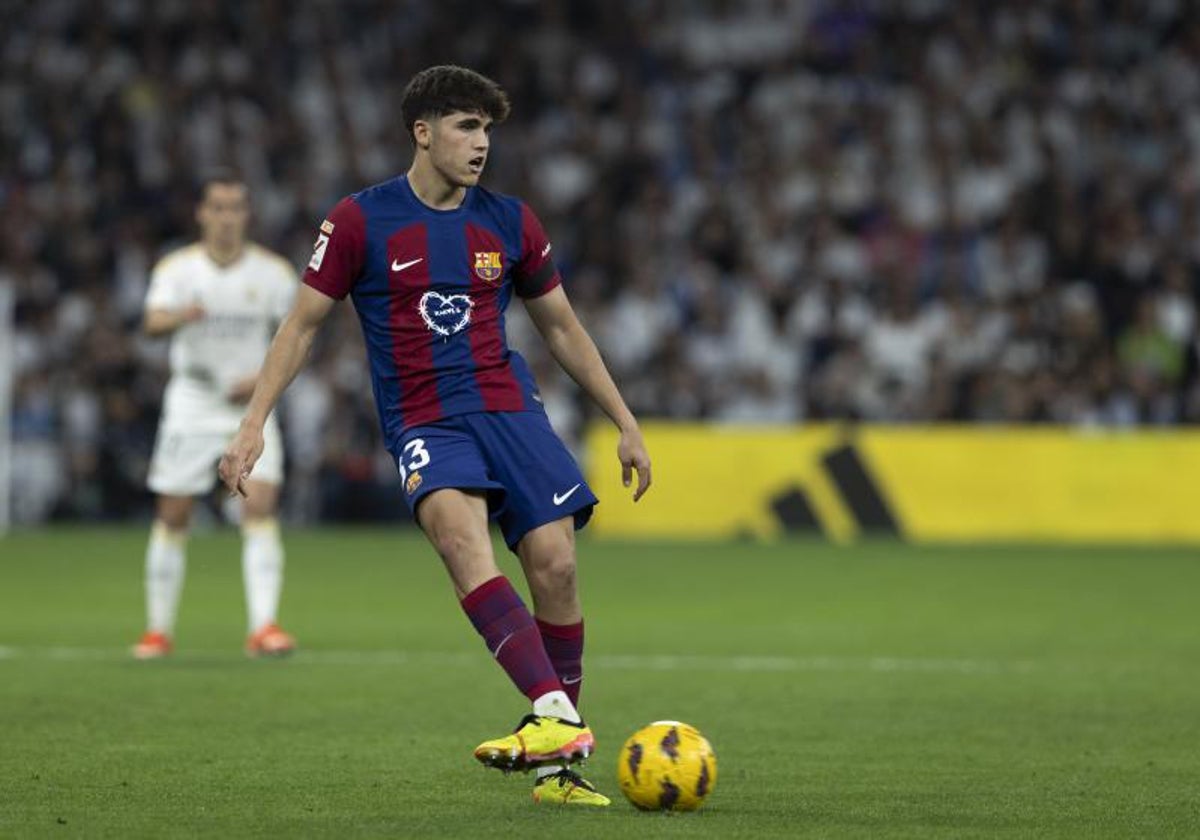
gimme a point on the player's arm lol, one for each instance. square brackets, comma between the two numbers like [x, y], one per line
[160, 321]
[289, 349]
[574, 350]
[169, 305]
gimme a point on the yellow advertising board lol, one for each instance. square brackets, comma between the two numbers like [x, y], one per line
[922, 483]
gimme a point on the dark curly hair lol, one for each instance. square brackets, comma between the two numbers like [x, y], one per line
[446, 88]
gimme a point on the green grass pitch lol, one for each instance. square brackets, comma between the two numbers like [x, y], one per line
[873, 691]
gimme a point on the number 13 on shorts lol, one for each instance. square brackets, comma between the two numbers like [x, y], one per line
[417, 456]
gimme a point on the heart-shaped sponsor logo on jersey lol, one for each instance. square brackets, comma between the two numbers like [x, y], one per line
[445, 314]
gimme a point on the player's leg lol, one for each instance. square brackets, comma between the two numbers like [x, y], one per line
[181, 468]
[262, 550]
[262, 554]
[456, 523]
[547, 556]
[547, 498]
[166, 563]
[448, 487]
[262, 570]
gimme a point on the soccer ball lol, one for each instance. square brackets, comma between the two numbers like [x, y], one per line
[667, 766]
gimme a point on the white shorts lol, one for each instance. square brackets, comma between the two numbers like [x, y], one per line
[185, 463]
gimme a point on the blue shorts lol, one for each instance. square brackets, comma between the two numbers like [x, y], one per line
[516, 458]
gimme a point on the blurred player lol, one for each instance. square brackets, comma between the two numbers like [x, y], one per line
[220, 300]
[432, 261]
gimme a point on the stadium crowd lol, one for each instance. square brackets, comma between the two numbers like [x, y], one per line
[766, 211]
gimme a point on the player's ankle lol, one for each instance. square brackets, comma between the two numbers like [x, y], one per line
[556, 704]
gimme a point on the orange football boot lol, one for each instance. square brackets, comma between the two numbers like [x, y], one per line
[152, 645]
[270, 640]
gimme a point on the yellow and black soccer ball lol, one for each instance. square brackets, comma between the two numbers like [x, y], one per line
[667, 766]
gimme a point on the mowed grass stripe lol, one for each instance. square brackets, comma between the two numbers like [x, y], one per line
[619, 662]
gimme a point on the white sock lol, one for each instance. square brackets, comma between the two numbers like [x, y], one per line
[550, 770]
[262, 570]
[556, 704]
[166, 562]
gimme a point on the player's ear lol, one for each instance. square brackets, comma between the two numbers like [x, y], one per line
[422, 134]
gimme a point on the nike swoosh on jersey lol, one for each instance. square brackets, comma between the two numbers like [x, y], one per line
[569, 681]
[559, 499]
[399, 266]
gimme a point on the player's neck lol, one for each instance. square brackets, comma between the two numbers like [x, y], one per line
[223, 254]
[432, 190]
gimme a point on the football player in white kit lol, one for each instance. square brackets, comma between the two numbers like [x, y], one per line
[220, 300]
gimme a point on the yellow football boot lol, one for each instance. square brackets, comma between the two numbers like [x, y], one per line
[567, 788]
[538, 741]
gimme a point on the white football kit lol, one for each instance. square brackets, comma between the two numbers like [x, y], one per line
[244, 303]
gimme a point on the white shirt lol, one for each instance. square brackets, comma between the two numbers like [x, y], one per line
[244, 303]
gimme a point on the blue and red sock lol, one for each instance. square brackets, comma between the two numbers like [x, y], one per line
[564, 646]
[512, 637]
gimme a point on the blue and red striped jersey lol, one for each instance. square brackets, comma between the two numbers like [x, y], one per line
[431, 288]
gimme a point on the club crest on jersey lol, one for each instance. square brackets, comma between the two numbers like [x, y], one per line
[445, 314]
[414, 481]
[487, 265]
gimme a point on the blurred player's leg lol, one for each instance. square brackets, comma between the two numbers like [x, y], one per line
[262, 571]
[166, 562]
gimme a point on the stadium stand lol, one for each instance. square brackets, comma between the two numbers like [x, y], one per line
[766, 211]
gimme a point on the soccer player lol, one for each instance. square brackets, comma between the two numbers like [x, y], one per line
[220, 300]
[431, 261]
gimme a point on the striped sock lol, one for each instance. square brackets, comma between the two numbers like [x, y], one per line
[512, 637]
[564, 646]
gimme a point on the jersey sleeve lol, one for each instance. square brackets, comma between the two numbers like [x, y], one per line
[165, 290]
[339, 252]
[534, 274]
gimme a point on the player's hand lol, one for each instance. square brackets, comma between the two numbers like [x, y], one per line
[632, 451]
[239, 459]
[242, 390]
[191, 312]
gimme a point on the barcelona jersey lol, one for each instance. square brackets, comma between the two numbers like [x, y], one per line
[431, 288]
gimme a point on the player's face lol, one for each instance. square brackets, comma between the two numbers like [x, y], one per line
[458, 146]
[223, 214]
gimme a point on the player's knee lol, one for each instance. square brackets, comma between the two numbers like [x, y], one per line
[261, 502]
[455, 543]
[174, 517]
[258, 510]
[554, 571]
